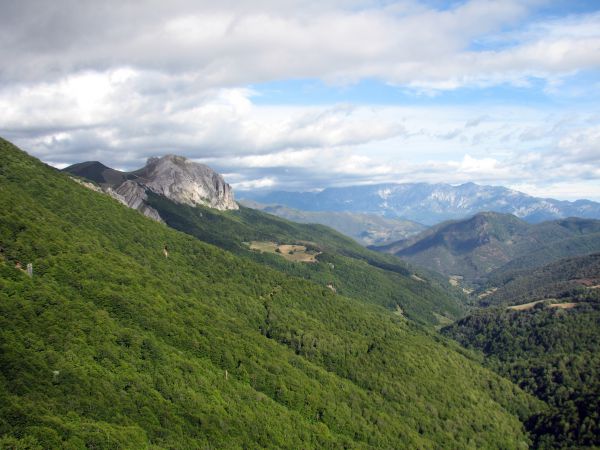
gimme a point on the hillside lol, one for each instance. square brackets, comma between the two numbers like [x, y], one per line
[548, 342]
[343, 264]
[487, 242]
[564, 278]
[113, 345]
[367, 229]
[430, 204]
[551, 352]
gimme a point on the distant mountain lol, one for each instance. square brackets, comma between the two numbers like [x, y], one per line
[175, 177]
[430, 204]
[475, 247]
[368, 229]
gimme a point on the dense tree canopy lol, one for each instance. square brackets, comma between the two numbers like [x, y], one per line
[113, 345]
[553, 353]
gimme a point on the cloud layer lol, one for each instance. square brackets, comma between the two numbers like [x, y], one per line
[121, 81]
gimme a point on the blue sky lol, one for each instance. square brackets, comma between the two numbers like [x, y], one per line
[307, 94]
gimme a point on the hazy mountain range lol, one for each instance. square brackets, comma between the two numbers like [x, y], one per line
[429, 203]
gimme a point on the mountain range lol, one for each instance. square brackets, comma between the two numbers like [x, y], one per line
[429, 204]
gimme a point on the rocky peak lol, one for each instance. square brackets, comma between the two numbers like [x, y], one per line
[175, 177]
[185, 181]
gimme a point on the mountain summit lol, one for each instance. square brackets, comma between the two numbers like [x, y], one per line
[174, 177]
[187, 182]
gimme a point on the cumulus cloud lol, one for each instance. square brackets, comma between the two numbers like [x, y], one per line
[126, 115]
[225, 43]
[120, 81]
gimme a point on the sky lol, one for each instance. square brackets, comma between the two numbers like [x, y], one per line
[307, 94]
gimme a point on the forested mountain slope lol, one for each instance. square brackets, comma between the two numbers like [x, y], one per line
[564, 278]
[548, 342]
[340, 262]
[111, 344]
[552, 351]
[488, 242]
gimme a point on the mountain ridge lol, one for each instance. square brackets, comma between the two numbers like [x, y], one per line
[429, 203]
[486, 242]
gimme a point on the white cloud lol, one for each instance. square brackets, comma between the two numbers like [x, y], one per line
[225, 43]
[259, 183]
[124, 110]
[119, 81]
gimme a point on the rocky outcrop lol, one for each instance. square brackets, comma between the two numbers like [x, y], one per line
[187, 182]
[128, 193]
[174, 177]
[134, 196]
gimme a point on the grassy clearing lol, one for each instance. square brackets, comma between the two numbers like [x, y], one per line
[530, 305]
[563, 305]
[527, 306]
[291, 252]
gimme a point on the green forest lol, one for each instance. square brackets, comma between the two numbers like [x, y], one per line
[110, 344]
[566, 278]
[354, 270]
[551, 352]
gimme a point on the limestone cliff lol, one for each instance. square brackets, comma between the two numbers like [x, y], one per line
[174, 177]
[185, 181]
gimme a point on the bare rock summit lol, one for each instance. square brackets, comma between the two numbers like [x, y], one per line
[185, 181]
[174, 177]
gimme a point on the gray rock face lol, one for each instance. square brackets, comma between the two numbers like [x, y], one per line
[134, 196]
[187, 182]
[174, 177]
